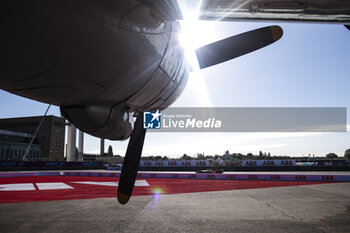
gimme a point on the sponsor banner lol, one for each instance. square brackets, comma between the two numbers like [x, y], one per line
[214, 176]
[254, 163]
[272, 177]
[175, 163]
[23, 174]
[17, 174]
[113, 168]
[48, 173]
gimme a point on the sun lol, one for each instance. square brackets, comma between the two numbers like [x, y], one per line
[194, 34]
[188, 41]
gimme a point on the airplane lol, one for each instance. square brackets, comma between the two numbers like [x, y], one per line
[102, 61]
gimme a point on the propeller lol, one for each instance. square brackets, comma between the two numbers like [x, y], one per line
[208, 55]
[238, 45]
[132, 161]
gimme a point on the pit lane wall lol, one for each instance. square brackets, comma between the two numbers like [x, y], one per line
[207, 163]
[210, 176]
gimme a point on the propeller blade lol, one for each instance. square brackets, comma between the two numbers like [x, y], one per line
[131, 162]
[237, 45]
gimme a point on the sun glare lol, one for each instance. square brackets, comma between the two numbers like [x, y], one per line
[188, 41]
[194, 34]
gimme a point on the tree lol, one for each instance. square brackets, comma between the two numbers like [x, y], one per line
[331, 156]
[260, 154]
[347, 154]
[110, 151]
[250, 156]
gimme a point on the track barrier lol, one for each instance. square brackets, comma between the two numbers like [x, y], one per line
[211, 176]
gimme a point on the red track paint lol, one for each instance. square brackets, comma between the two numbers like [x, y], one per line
[87, 191]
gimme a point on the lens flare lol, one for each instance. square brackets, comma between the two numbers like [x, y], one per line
[194, 34]
[157, 194]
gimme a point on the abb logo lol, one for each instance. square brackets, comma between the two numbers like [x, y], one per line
[185, 163]
[175, 175]
[328, 178]
[159, 164]
[269, 163]
[153, 175]
[231, 176]
[253, 177]
[192, 176]
[287, 162]
[201, 163]
[275, 177]
[172, 163]
[139, 175]
[250, 163]
[147, 164]
[300, 177]
[211, 176]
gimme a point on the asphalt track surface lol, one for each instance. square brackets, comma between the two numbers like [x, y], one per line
[174, 205]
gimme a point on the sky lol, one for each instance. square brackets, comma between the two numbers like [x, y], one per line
[307, 67]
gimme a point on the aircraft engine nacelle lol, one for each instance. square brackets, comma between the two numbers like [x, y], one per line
[110, 122]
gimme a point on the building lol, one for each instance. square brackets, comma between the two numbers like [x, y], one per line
[16, 133]
[14, 144]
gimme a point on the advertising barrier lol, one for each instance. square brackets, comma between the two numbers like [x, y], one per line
[213, 176]
[253, 163]
[24, 174]
[175, 163]
[17, 174]
[205, 163]
[216, 176]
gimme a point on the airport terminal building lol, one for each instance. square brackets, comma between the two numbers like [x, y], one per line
[16, 133]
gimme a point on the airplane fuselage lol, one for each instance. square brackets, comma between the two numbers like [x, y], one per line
[96, 61]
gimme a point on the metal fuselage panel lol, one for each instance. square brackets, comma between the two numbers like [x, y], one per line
[85, 52]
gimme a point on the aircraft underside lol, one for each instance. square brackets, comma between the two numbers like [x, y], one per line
[102, 60]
